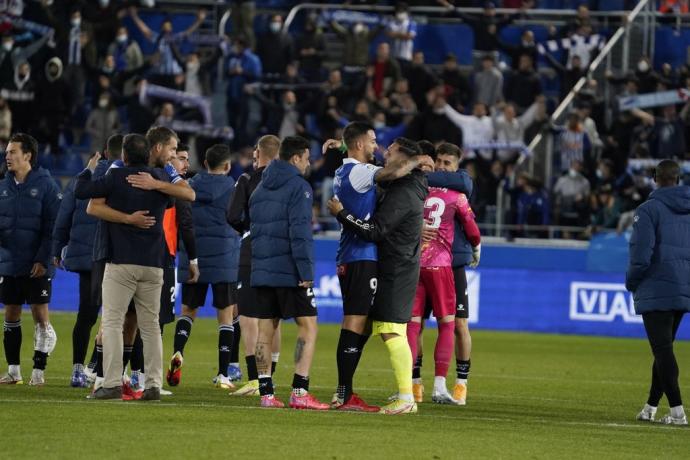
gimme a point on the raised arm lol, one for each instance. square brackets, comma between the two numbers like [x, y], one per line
[200, 16]
[456, 117]
[644, 116]
[141, 25]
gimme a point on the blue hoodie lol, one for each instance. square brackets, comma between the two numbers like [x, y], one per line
[217, 243]
[27, 218]
[73, 233]
[659, 269]
[280, 210]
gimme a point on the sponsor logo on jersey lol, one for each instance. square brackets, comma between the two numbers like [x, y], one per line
[602, 302]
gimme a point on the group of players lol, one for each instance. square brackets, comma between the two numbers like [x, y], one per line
[407, 234]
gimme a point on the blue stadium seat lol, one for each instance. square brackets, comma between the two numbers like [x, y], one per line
[68, 164]
[671, 46]
[438, 40]
[611, 5]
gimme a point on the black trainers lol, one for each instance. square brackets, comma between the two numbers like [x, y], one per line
[151, 394]
[108, 393]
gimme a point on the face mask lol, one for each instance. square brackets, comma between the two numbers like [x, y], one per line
[440, 111]
[103, 103]
[275, 27]
[192, 67]
[7, 46]
[104, 3]
[359, 28]
[600, 175]
[401, 16]
[76, 22]
[121, 38]
[642, 66]
[572, 173]
[379, 125]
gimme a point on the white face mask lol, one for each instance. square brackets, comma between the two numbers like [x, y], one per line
[379, 125]
[642, 66]
[121, 38]
[401, 16]
[359, 28]
[7, 46]
[600, 174]
[275, 27]
[104, 3]
[572, 173]
[103, 103]
[76, 22]
[192, 67]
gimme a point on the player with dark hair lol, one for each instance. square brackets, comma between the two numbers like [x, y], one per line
[218, 246]
[283, 268]
[355, 186]
[442, 208]
[29, 202]
[266, 151]
[396, 227]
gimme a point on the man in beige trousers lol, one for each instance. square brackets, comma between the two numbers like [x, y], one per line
[135, 260]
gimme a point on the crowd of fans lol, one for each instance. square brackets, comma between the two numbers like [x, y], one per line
[71, 74]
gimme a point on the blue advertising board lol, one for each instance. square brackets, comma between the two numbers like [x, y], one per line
[556, 295]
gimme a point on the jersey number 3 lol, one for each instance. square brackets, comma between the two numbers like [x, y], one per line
[437, 206]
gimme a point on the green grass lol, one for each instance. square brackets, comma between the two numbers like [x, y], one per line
[534, 396]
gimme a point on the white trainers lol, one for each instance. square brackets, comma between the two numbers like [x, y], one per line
[37, 378]
[90, 375]
[223, 382]
[646, 414]
[165, 392]
[441, 396]
[11, 378]
[671, 420]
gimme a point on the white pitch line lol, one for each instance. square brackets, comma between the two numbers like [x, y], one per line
[433, 416]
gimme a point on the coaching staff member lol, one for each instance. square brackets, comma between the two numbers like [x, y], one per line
[29, 202]
[659, 278]
[135, 266]
[396, 227]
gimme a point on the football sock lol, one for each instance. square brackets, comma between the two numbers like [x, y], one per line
[40, 359]
[80, 336]
[136, 361]
[300, 383]
[417, 369]
[413, 339]
[265, 385]
[252, 373]
[78, 368]
[12, 341]
[347, 356]
[363, 339]
[462, 369]
[99, 360]
[444, 347]
[401, 361]
[235, 350]
[440, 384]
[94, 357]
[126, 355]
[677, 412]
[225, 333]
[183, 329]
[274, 362]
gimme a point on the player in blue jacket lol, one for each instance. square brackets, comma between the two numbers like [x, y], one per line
[29, 201]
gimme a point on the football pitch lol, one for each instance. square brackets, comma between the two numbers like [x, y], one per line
[536, 396]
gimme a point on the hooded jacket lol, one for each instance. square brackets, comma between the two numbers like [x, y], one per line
[659, 267]
[461, 182]
[217, 243]
[27, 218]
[73, 233]
[280, 211]
[397, 229]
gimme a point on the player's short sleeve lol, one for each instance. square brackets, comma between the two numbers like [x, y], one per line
[172, 175]
[115, 164]
[362, 177]
[412, 29]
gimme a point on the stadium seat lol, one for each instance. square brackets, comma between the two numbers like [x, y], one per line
[671, 46]
[611, 5]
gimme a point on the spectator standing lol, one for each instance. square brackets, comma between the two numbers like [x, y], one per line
[457, 87]
[526, 47]
[571, 194]
[356, 50]
[508, 127]
[402, 30]
[53, 92]
[243, 67]
[310, 51]
[476, 128]
[421, 80]
[669, 132]
[103, 122]
[386, 71]
[488, 83]
[523, 85]
[243, 12]
[574, 144]
[20, 95]
[275, 49]
[434, 124]
[126, 51]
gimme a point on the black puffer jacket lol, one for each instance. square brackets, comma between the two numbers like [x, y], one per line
[397, 229]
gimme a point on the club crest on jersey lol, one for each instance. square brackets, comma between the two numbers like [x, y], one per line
[307, 195]
[4, 193]
[33, 192]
